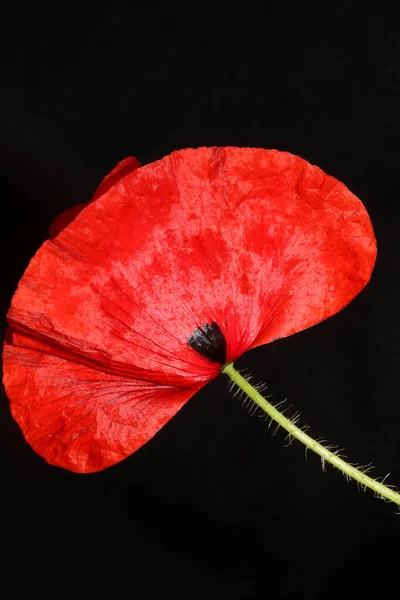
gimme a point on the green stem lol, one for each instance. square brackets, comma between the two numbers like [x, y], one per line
[325, 454]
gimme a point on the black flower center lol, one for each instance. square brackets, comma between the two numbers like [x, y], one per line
[209, 342]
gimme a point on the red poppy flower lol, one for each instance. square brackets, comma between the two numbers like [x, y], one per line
[176, 268]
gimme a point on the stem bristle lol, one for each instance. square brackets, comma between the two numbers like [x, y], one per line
[330, 453]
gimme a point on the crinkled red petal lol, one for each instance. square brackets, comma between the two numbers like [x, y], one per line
[260, 242]
[82, 418]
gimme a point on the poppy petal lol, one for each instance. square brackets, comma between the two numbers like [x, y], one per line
[124, 167]
[250, 243]
[82, 418]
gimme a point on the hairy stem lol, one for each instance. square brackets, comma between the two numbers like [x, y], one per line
[326, 455]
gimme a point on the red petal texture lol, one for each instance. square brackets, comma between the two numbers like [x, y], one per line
[258, 241]
[124, 167]
[80, 417]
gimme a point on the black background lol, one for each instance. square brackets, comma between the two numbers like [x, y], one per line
[214, 505]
